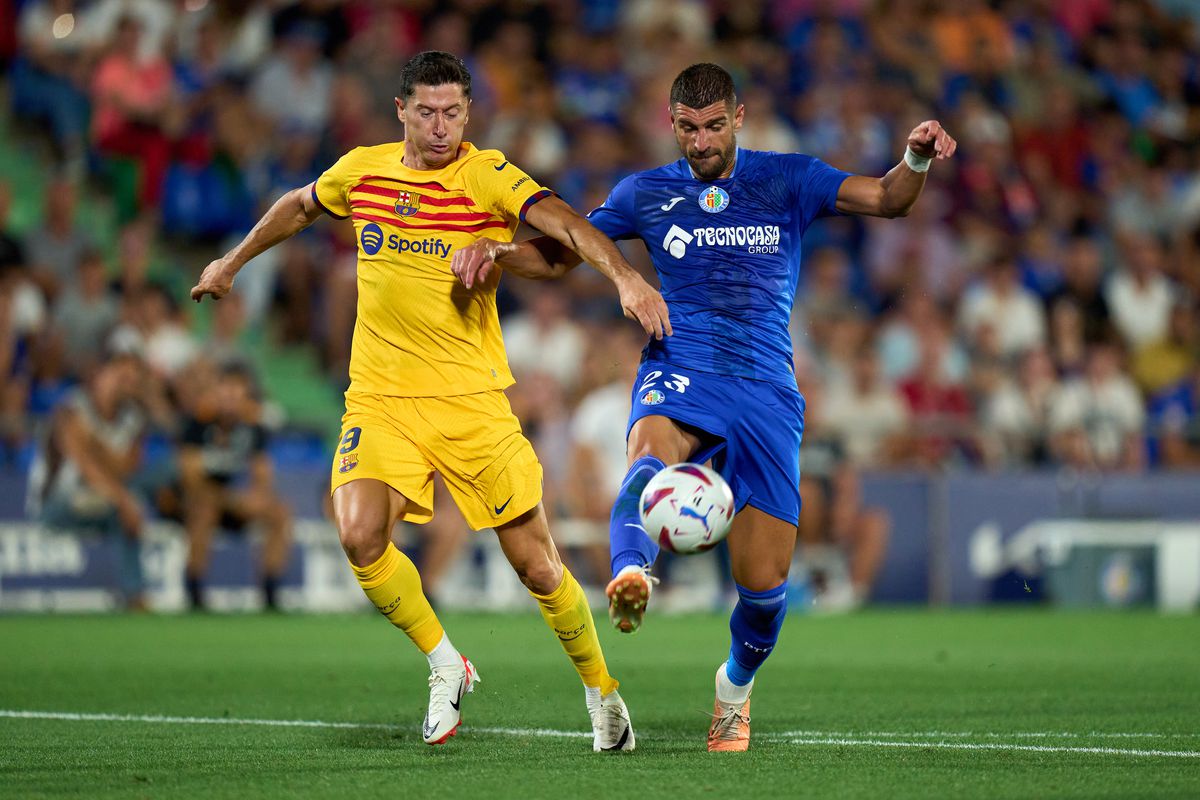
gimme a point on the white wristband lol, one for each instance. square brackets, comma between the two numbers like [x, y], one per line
[915, 162]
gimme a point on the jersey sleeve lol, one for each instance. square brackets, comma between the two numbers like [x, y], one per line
[816, 186]
[503, 188]
[616, 217]
[332, 189]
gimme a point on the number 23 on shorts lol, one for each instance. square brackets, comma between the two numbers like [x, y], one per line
[677, 383]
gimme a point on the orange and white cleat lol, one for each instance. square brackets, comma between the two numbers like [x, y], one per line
[730, 729]
[628, 593]
[447, 687]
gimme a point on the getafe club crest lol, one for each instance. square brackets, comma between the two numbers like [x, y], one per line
[714, 199]
[652, 398]
[408, 203]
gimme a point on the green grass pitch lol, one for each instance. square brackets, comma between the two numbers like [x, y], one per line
[917, 704]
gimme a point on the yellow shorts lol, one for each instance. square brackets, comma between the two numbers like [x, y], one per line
[473, 440]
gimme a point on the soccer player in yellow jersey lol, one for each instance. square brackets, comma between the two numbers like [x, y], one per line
[428, 369]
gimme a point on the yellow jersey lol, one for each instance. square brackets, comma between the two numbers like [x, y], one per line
[419, 332]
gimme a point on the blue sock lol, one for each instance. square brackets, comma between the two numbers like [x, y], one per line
[627, 539]
[754, 626]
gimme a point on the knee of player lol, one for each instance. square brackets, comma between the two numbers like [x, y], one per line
[541, 576]
[643, 446]
[363, 537]
[639, 448]
[765, 580]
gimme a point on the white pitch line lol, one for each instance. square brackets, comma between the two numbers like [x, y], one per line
[276, 723]
[1027, 748]
[882, 738]
[984, 735]
[546, 732]
[67, 716]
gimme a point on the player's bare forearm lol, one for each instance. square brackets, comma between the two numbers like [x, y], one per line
[897, 192]
[901, 189]
[891, 196]
[538, 259]
[639, 300]
[290, 214]
[599, 251]
[541, 258]
[568, 238]
[571, 231]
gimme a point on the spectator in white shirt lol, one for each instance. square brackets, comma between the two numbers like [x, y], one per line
[867, 413]
[544, 338]
[1096, 420]
[1139, 294]
[1011, 311]
[1016, 418]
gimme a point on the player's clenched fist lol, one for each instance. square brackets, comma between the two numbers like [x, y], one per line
[929, 139]
[640, 301]
[217, 280]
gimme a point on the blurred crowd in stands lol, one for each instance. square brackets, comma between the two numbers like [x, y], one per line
[1037, 308]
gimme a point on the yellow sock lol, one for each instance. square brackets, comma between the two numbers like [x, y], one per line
[567, 613]
[393, 584]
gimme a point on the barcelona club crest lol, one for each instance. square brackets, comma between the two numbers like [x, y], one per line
[714, 199]
[408, 203]
[347, 463]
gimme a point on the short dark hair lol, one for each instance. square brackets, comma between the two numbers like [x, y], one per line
[434, 68]
[702, 85]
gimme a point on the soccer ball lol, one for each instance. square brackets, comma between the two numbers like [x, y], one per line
[687, 508]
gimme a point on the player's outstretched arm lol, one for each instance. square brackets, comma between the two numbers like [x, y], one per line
[639, 300]
[290, 214]
[894, 194]
[569, 239]
[538, 259]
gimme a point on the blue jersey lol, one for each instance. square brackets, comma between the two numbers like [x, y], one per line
[727, 254]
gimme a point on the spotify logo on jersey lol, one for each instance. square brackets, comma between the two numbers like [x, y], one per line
[371, 238]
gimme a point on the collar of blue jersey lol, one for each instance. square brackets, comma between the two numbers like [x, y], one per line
[737, 159]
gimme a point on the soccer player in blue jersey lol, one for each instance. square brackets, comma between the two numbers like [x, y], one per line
[723, 227]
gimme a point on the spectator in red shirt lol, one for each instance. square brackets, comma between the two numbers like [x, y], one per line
[133, 110]
[939, 408]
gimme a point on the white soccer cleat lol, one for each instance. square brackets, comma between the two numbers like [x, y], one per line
[611, 728]
[447, 687]
[628, 594]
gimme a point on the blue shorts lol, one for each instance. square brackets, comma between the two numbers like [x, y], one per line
[759, 425]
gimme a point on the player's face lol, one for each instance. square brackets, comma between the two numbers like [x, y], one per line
[434, 118]
[707, 137]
